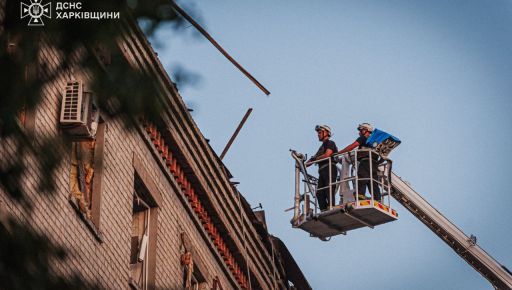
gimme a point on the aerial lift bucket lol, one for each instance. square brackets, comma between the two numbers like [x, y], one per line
[352, 212]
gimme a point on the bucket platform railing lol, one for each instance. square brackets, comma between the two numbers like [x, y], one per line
[359, 196]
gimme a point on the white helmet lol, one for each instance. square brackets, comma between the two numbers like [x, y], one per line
[323, 127]
[365, 126]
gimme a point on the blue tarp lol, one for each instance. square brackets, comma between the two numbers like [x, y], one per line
[379, 137]
[382, 141]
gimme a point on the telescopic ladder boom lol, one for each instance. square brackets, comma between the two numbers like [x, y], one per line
[465, 247]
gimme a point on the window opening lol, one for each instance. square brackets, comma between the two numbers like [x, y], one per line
[85, 179]
[82, 174]
[143, 231]
[139, 245]
[193, 279]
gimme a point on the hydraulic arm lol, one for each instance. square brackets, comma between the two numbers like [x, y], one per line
[465, 247]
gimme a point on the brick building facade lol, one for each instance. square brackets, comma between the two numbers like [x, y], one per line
[150, 208]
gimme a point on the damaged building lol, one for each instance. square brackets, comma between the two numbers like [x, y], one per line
[152, 208]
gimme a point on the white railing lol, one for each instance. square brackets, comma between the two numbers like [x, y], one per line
[374, 175]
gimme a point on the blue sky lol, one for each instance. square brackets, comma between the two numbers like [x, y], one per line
[434, 73]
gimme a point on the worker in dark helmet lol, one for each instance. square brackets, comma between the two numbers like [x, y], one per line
[363, 170]
[326, 174]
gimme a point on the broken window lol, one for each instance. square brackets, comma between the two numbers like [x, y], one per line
[82, 173]
[140, 238]
[197, 283]
[85, 177]
[193, 278]
[143, 241]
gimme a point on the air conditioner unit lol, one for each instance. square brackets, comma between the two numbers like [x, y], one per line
[79, 115]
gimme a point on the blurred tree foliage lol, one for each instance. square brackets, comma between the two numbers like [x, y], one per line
[126, 94]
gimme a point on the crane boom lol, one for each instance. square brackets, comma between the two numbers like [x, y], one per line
[465, 247]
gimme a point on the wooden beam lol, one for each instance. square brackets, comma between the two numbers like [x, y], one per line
[236, 133]
[217, 45]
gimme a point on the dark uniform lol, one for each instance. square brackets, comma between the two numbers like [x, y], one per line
[322, 195]
[363, 170]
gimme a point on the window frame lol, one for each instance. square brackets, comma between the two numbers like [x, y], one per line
[93, 223]
[146, 213]
[152, 197]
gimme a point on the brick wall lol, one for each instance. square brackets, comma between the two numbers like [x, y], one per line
[108, 261]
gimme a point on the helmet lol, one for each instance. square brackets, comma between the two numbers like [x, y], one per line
[323, 127]
[366, 126]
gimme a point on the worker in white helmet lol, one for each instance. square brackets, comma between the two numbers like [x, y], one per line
[326, 174]
[363, 170]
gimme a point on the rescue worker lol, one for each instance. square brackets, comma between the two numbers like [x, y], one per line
[363, 169]
[326, 174]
